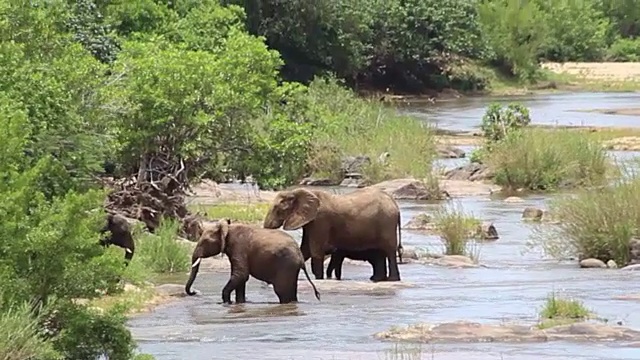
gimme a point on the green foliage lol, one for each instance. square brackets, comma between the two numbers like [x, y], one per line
[593, 224]
[160, 252]
[559, 311]
[458, 231]
[538, 159]
[246, 213]
[498, 122]
[624, 50]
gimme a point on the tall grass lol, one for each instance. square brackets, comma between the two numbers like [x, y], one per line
[593, 224]
[19, 335]
[458, 231]
[349, 126]
[542, 159]
[244, 213]
[160, 252]
[559, 311]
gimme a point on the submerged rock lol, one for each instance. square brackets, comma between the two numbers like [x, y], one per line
[513, 199]
[449, 152]
[592, 263]
[473, 332]
[532, 214]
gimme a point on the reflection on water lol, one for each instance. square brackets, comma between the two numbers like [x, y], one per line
[512, 287]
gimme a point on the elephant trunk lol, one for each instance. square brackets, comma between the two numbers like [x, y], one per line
[195, 266]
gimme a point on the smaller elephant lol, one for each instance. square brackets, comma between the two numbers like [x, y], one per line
[375, 257]
[271, 256]
[120, 235]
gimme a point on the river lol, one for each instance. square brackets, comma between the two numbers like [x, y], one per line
[512, 288]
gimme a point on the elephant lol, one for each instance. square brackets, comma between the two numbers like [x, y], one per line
[375, 257]
[271, 256]
[364, 219]
[121, 235]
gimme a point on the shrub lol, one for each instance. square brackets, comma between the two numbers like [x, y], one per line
[497, 121]
[347, 125]
[161, 252]
[593, 224]
[20, 335]
[538, 159]
[457, 231]
[558, 311]
[624, 50]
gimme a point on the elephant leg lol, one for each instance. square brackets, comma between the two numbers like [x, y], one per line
[394, 272]
[240, 293]
[286, 288]
[379, 264]
[338, 267]
[317, 265]
[233, 283]
[331, 266]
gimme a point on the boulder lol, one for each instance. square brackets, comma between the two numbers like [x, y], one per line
[356, 180]
[351, 164]
[454, 261]
[449, 152]
[410, 189]
[421, 222]
[532, 214]
[612, 264]
[470, 172]
[473, 332]
[487, 231]
[592, 263]
[309, 181]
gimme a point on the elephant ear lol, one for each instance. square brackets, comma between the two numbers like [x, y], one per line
[305, 209]
[223, 227]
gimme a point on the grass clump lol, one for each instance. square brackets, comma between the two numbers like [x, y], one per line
[243, 213]
[348, 126]
[20, 335]
[458, 231]
[559, 311]
[593, 224]
[404, 352]
[540, 160]
[161, 252]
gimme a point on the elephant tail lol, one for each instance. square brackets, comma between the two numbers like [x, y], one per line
[400, 248]
[304, 268]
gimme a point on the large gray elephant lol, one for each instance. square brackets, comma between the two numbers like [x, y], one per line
[268, 255]
[365, 219]
[120, 235]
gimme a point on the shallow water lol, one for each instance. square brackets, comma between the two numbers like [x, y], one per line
[512, 287]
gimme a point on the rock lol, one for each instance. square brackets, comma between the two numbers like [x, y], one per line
[409, 254]
[410, 189]
[354, 180]
[634, 251]
[532, 214]
[632, 267]
[174, 290]
[449, 152]
[472, 332]
[592, 263]
[352, 164]
[420, 222]
[459, 188]
[470, 172]
[454, 261]
[487, 231]
[364, 287]
[513, 199]
[612, 264]
[308, 181]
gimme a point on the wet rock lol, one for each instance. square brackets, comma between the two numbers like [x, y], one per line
[452, 261]
[449, 152]
[632, 267]
[487, 231]
[171, 290]
[460, 188]
[612, 264]
[634, 251]
[532, 214]
[410, 189]
[592, 263]
[421, 222]
[472, 332]
[513, 199]
[470, 172]
[329, 286]
[409, 254]
[352, 164]
[354, 180]
[308, 181]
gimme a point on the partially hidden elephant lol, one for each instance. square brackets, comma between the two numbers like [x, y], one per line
[268, 255]
[120, 235]
[375, 257]
[364, 219]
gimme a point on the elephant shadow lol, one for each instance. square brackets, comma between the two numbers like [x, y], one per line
[272, 309]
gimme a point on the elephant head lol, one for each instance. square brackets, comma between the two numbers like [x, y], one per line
[212, 241]
[292, 210]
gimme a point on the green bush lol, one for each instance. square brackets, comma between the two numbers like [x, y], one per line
[161, 252]
[624, 50]
[457, 231]
[559, 311]
[497, 121]
[539, 159]
[593, 224]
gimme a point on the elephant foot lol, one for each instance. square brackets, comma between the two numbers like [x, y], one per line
[377, 278]
[393, 278]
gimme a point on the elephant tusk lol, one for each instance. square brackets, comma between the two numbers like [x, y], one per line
[128, 250]
[196, 263]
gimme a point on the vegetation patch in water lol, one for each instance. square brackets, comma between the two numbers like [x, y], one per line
[558, 311]
[458, 231]
[598, 224]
